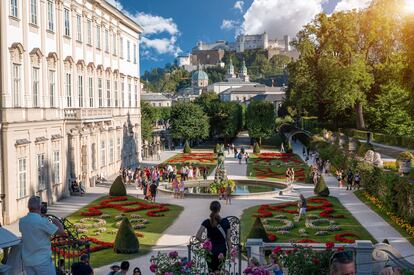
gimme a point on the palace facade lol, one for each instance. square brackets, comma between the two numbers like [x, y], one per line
[69, 98]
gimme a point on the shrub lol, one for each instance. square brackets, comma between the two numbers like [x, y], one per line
[321, 189]
[405, 156]
[187, 148]
[258, 231]
[363, 148]
[256, 148]
[288, 147]
[217, 148]
[126, 241]
[117, 188]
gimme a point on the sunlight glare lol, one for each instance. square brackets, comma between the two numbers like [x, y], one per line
[409, 6]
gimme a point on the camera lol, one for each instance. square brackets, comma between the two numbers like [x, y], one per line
[43, 208]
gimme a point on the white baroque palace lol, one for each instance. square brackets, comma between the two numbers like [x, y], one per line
[69, 94]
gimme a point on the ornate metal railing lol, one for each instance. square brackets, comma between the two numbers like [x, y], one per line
[68, 248]
[231, 267]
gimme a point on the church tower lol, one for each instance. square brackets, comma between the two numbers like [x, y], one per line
[230, 71]
[243, 73]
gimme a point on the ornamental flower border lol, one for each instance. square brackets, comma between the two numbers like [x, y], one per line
[99, 245]
[312, 222]
[342, 237]
[193, 158]
[154, 209]
[288, 225]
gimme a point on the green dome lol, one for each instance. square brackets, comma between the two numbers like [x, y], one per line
[199, 75]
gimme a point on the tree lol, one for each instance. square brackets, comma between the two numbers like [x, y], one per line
[117, 188]
[260, 119]
[188, 122]
[126, 242]
[148, 118]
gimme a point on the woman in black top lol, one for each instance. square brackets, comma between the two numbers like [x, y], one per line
[218, 232]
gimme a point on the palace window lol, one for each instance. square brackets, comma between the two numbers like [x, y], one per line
[98, 37]
[93, 156]
[50, 16]
[136, 96]
[33, 12]
[90, 92]
[129, 95]
[106, 40]
[114, 40]
[89, 26]
[116, 92]
[100, 99]
[22, 177]
[52, 88]
[14, 8]
[118, 147]
[67, 22]
[108, 93]
[41, 173]
[111, 151]
[128, 50]
[68, 85]
[16, 85]
[121, 47]
[35, 87]
[79, 26]
[56, 167]
[103, 159]
[135, 54]
[80, 90]
[123, 94]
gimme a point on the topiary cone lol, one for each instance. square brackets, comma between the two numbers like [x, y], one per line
[256, 148]
[187, 148]
[321, 189]
[126, 242]
[117, 188]
[258, 231]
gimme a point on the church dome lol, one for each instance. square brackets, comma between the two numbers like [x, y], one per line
[199, 75]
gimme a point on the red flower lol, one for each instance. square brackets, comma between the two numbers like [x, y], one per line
[307, 241]
[342, 237]
[330, 245]
[277, 249]
[341, 248]
[315, 261]
[271, 237]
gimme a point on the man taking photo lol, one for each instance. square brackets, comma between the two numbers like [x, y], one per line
[36, 231]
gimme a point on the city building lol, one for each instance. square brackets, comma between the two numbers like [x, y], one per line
[199, 81]
[246, 93]
[69, 98]
[156, 99]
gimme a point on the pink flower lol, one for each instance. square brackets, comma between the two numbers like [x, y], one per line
[330, 245]
[221, 256]
[277, 249]
[173, 254]
[189, 264]
[153, 268]
[168, 273]
[207, 245]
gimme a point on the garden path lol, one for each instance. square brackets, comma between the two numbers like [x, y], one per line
[234, 169]
[369, 219]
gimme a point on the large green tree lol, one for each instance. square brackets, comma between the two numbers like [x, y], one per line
[260, 118]
[188, 121]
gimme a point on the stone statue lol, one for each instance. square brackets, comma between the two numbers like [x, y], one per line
[377, 160]
[369, 156]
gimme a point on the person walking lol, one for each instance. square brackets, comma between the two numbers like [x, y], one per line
[246, 157]
[357, 180]
[218, 233]
[303, 205]
[240, 156]
[205, 172]
[339, 177]
[228, 194]
[36, 230]
[182, 188]
[153, 188]
[350, 179]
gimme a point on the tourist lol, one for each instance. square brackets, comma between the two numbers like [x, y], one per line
[357, 180]
[228, 194]
[136, 271]
[327, 166]
[159, 154]
[82, 267]
[190, 172]
[124, 268]
[218, 233]
[339, 177]
[205, 172]
[292, 175]
[235, 152]
[239, 157]
[170, 172]
[36, 231]
[153, 188]
[182, 187]
[60, 269]
[246, 157]
[350, 179]
[303, 205]
[287, 174]
[114, 269]
[274, 265]
[342, 263]
[197, 172]
[138, 181]
[315, 177]
[175, 188]
[183, 172]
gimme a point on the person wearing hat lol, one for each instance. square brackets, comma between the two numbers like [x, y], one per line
[114, 269]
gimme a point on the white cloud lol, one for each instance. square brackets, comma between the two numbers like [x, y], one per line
[229, 24]
[345, 5]
[279, 17]
[239, 5]
[165, 30]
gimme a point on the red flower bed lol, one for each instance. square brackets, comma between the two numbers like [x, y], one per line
[98, 245]
[342, 238]
[265, 210]
[109, 203]
[202, 158]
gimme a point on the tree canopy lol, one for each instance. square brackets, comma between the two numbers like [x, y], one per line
[260, 119]
[189, 122]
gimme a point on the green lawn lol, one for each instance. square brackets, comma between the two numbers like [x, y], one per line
[270, 166]
[384, 215]
[152, 231]
[348, 224]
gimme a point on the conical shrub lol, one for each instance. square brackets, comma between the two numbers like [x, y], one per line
[258, 231]
[187, 148]
[256, 148]
[126, 242]
[217, 148]
[117, 188]
[321, 189]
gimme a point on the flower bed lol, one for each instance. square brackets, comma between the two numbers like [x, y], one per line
[274, 165]
[326, 218]
[100, 221]
[193, 158]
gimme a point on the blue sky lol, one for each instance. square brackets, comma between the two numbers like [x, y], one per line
[173, 27]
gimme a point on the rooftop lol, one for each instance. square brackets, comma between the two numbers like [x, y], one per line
[154, 97]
